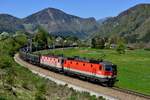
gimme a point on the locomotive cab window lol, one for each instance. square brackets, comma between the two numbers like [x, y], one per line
[108, 67]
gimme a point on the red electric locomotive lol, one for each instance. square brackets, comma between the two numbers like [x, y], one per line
[101, 71]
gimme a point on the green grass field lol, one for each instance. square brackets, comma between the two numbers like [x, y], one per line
[133, 66]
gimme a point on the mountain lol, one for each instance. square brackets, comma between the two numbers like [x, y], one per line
[10, 23]
[53, 20]
[59, 23]
[100, 21]
[133, 24]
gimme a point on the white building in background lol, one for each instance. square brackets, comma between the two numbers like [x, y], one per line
[4, 35]
[113, 46]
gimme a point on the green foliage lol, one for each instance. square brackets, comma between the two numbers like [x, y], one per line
[101, 98]
[41, 37]
[133, 24]
[41, 90]
[93, 97]
[2, 98]
[147, 49]
[69, 40]
[113, 39]
[39, 97]
[21, 39]
[51, 40]
[72, 97]
[5, 62]
[10, 79]
[82, 43]
[4, 35]
[93, 43]
[13, 44]
[121, 46]
[98, 42]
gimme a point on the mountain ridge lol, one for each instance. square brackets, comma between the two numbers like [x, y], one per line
[10, 23]
[132, 24]
[127, 23]
[55, 22]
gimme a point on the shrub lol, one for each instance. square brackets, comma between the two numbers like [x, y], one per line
[2, 98]
[5, 62]
[41, 90]
[72, 97]
[93, 97]
[39, 97]
[120, 48]
[147, 49]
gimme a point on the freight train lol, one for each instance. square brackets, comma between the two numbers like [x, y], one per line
[99, 71]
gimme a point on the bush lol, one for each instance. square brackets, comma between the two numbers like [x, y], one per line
[72, 97]
[98, 43]
[39, 97]
[121, 46]
[5, 62]
[93, 97]
[41, 90]
[2, 98]
[147, 49]
[120, 49]
[10, 79]
[101, 98]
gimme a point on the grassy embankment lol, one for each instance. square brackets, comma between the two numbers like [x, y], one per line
[133, 66]
[18, 83]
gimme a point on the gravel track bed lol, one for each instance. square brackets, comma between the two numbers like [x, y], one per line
[78, 84]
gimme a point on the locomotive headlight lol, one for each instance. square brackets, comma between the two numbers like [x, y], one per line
[109, 76]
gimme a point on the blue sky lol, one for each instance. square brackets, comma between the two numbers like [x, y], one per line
[83, 8]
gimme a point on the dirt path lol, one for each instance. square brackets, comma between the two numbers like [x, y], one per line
[78, 84]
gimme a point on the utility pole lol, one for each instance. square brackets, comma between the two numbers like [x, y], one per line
[30, 40]
[30, 44]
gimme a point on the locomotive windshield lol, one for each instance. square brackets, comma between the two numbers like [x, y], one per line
[108, 67]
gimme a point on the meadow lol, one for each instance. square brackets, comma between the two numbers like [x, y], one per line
[133, 66]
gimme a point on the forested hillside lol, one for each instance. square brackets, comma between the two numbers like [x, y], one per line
[133, 24]
[55, 21]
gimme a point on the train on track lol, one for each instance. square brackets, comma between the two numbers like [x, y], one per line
[100, 71]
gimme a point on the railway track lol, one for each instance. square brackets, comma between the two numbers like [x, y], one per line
[112, 93]
[132, 92]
